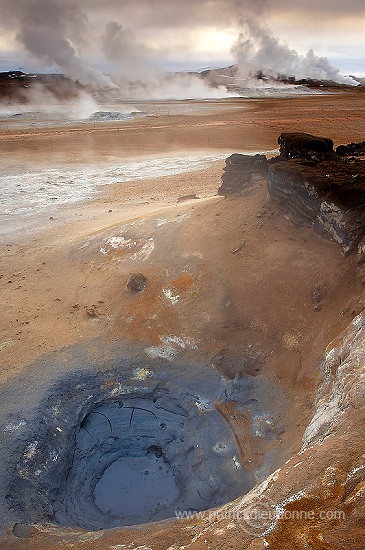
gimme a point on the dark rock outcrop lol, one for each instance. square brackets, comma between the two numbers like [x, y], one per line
[241, 172]
[327, 192]
[305, 146]
[317, 186]
[351, 150]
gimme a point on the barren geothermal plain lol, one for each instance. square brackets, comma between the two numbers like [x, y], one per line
[180, 369]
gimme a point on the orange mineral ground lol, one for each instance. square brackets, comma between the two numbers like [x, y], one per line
[247, 327]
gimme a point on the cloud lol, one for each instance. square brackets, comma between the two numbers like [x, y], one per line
[161, 14]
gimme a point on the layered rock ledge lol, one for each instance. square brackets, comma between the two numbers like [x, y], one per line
[316, 185]
[241, 172]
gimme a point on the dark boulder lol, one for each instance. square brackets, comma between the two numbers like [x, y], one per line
[241, 172]
[351, 150]
[305, 146]
[137, 282]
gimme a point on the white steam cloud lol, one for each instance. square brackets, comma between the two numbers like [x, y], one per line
[37, 98]
[49, 29]
[256, 49]
[138, 77]
[172, 86]
[125, 52]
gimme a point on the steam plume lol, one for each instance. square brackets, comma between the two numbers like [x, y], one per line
[127, 55]
[48, 29]
[257, 49]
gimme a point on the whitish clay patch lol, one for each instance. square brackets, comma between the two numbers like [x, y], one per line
[193, 255]
[13, 427]
[204, 404]
[116, 242]
[291, 341]
[7, 344]
[140, 249]
[31, 191]
[120, 389]
[261, 424]
[141, 373]
[181, 341]
[31, 450]
[354, 471]
[170, 347]
[160, 222]
[161, 352]
[169, 295]
[145, 251]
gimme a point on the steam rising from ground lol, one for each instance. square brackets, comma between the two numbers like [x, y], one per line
[38, 99]
[138, 77]
[256, 49]
[125, 52]
[172, 86]
[48, 29]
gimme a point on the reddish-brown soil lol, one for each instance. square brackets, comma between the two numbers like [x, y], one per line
[242, 274]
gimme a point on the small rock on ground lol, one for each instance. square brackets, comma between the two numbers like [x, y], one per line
[137, 282]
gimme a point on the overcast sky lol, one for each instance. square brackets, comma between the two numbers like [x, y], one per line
[130, 35]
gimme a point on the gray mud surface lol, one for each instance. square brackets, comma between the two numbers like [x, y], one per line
[118, 440]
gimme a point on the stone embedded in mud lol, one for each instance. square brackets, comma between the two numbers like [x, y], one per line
[319, 293]
[231, 363]
[137, 282]
[20, 530]
[241, 172]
